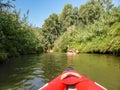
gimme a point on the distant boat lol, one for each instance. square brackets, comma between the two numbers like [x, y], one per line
[72, 52]
[72, 80]
[50, 51]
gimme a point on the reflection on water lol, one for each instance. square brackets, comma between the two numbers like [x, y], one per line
[52, 65]
[21, 73]
[70, 59]
[104, 69]
[31, 72]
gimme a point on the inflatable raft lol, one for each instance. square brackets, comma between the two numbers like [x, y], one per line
[72, 80]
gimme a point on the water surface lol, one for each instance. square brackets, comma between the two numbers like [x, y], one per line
[32, 72]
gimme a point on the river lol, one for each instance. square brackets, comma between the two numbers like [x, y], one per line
[33, 71]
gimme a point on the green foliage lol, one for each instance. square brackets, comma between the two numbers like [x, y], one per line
[97, 30]
[3, 57]
[90, 12]
[51, 30]
[62, 43]
[74, 16]
[115, 42]
[30, 40]
[8, 27]
[16, 36]
[65, 16]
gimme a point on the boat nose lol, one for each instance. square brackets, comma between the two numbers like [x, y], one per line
[69, 68]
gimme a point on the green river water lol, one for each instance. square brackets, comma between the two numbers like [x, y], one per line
[32, 72]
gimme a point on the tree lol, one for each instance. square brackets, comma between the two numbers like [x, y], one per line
[16, 35]
[5, 5]
[75, 15]
[51, 29]
[66, 17]
[90, 12]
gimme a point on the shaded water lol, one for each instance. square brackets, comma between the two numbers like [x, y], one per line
[32, 72]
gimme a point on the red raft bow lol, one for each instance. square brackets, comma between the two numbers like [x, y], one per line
[72, 79]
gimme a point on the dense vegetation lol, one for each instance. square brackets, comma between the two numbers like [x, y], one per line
[16, 36]
[96, 28]
[92, 28]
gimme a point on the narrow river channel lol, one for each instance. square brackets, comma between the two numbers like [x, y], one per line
[32, 72]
